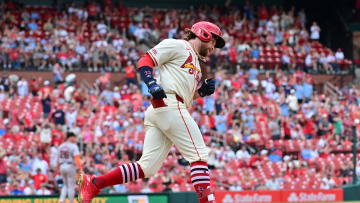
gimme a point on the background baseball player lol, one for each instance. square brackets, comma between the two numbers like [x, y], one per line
[68, 157]
[167, 120]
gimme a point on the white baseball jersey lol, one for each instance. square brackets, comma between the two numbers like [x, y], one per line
[67, 151]
[179, 68]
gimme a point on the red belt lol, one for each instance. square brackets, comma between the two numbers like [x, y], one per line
[157, 103]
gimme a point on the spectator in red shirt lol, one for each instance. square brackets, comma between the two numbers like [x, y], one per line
[35, 86]
[309, 128]
[46, 90]
[262, 14]
[39, 179]
[14, 55]
[130, 73]
[92, 10]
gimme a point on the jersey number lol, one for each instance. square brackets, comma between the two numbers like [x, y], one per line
[191, 71]
[64, 154]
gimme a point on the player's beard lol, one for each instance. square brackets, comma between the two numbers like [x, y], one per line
[204, 50]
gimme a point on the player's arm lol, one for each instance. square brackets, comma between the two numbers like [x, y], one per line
[162, 53]
[76, 154]
[211, 88]
[78, 162]
[146, 66]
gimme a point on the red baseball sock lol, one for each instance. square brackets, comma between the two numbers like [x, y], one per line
[200, 179]
[122, 174]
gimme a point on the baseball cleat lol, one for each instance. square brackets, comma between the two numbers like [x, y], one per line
[87, 188]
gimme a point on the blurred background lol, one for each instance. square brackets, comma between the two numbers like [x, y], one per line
[285, 115]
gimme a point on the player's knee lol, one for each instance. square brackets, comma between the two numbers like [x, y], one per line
[149, 173]
[202, 158]
[148, 170]
[203, 155]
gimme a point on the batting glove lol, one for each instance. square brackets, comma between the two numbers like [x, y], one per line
[207, 88]
[156, 91]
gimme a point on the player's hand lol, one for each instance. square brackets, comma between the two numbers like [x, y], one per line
[156, 91]
[207, 88]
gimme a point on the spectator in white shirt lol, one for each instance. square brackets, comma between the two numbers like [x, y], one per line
[235, 186]
[69, 92]
[327, 182]
[70, 117]
[101, 28]
[43, 191]
[229, 154]
[273, 183]
[140, 33]
[39, 162]
[243, 154]
[242, 47]
[22, 87]
[80, 49]
[315, 32]
[292, 101]
[308, 62]
[324, 63]
[2, 93]
[269, 87]
[358, 169]
[45, 133]
[339, 55]
[285, 59]
[118, 43]
[29, 188]
[333, 67]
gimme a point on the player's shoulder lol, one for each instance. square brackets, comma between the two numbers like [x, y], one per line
[180, 43]
[73, 144]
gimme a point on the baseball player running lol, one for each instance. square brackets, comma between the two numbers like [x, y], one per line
[167, 120]
[68, 156]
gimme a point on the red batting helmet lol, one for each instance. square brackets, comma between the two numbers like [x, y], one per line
[206, 31]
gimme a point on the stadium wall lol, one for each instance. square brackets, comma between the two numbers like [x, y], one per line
[351, 192]
[332, 195]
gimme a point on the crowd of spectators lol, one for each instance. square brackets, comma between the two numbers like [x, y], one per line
[275, 133]
[108, 37]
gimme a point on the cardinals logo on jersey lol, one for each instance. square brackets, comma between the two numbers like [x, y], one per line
[188, 64]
